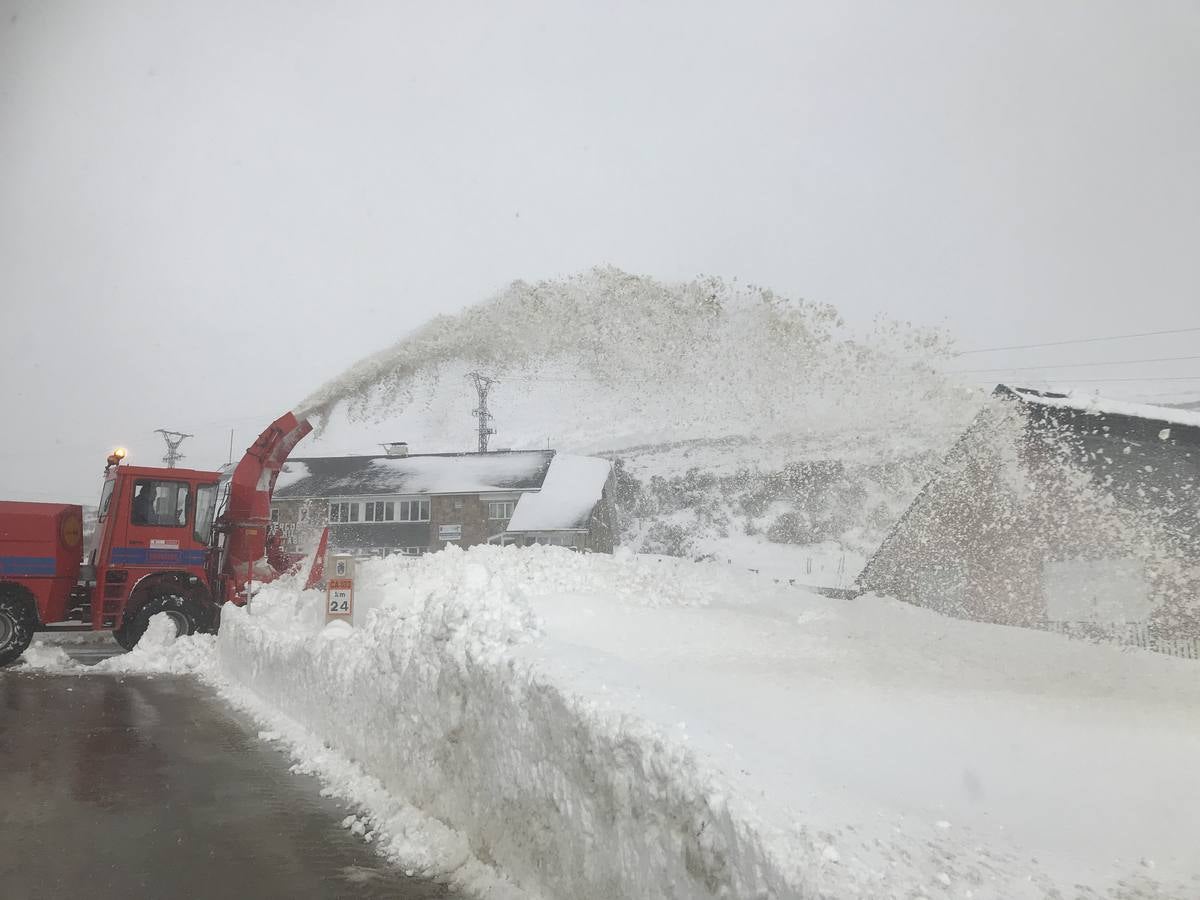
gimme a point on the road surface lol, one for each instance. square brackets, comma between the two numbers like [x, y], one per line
[121, 787]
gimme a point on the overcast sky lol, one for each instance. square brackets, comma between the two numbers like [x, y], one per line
[207, 209]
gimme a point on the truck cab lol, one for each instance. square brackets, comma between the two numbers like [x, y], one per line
[152, 547]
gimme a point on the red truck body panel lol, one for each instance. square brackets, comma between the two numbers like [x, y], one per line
[40, 550]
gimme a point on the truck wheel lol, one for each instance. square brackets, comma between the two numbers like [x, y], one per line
[184, 612]
[16, 627]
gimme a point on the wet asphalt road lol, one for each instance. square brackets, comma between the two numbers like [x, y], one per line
[141, 787]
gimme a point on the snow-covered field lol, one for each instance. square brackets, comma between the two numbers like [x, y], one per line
[541, 723]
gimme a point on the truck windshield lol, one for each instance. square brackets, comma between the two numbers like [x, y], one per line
[206, 505]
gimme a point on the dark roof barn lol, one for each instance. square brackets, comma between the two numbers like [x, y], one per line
[1052, 509]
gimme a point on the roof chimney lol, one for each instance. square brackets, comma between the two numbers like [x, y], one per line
[396, 449]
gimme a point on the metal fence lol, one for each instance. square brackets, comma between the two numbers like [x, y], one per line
[1129, 634]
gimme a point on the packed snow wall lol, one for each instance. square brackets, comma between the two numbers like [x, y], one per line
[568, 798]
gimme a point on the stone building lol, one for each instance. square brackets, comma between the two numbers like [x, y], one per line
[1077, 515]
[412, 504]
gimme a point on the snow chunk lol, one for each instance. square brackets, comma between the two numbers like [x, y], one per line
[44, 657]
[162, 651]
[159, 635]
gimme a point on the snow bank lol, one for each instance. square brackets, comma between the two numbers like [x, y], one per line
[567, 796]
[629, 727]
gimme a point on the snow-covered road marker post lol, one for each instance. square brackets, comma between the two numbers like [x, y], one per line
[339, 589]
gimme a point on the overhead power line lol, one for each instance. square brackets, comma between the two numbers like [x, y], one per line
[1115, 337]
[1110, 380]
[1115, 362]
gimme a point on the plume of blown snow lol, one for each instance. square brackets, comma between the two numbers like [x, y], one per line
[707, 356]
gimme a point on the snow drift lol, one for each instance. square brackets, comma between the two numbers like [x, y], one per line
[633, 727]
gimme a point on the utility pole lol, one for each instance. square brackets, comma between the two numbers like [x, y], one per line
[483, 384]
[173, 440]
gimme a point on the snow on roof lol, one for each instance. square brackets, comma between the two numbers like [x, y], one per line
[293, 470]
[1093, 405]
[459, 474]
[449, 473]
[572, 488]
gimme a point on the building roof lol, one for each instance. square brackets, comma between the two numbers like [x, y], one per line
[433, 473]
[573, 486]
[1142, 457]
[1098, 406]
[1056, 508]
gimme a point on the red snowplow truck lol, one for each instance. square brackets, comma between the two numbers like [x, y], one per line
[175, 541]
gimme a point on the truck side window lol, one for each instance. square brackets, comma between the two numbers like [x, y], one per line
[160, 503]
[105, 499]
[206, 505]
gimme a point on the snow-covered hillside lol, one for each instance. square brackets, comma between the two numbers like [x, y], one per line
[637, 727]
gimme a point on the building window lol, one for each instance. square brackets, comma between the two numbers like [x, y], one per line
[379, 511]
[554, 540]
[411, 551]
[274, 515]
[501, 509]
[412, 510]
[343, 512]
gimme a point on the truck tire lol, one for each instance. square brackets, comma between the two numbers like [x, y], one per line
[16, 625]
[183, 610]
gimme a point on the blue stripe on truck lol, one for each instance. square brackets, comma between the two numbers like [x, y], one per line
[27, 565]
[153, 556]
